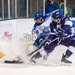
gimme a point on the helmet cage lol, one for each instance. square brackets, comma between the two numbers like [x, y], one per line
[56, 15]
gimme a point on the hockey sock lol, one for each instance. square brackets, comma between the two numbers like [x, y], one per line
[37, 55]
[68, 53]
[40, 53]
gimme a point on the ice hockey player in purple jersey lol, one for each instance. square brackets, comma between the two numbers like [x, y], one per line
[60, 28]
[41, 28]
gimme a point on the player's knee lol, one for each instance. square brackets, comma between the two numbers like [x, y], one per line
[50, 48]
[31, 48]
[73, 44]
[42, 52]
[72, 49]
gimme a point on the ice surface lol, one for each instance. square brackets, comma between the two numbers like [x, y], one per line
[21, 69]
[52, 66]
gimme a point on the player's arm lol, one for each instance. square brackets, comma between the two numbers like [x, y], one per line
[67, 27]
[65, 31]
[34, 29]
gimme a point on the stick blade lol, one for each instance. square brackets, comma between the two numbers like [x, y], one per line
[13, 61]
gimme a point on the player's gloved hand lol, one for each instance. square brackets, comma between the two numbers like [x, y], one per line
[60, 35]
[33, 32]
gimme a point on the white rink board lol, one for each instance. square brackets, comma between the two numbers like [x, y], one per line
[24, 27]
[19, 28]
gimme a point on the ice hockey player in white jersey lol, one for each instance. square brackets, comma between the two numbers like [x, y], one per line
[61, 27]
[41, 29]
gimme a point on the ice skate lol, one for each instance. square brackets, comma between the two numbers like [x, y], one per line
[65, 60]
[33, 60]
[46, 56]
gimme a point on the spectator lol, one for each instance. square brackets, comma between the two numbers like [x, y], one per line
[23, 10]
[62, 7]
[50, 6]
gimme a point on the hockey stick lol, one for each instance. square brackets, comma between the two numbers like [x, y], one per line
[20, 60]
[58, 38]
[41, 45]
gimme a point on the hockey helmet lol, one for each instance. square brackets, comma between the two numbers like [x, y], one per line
[37, 15]
[56, 15]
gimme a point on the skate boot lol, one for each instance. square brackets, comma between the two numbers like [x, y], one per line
[65, 60]
[33, 60]
[46, 56]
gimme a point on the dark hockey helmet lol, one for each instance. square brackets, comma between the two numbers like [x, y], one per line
[56, 15]
[37, 15]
